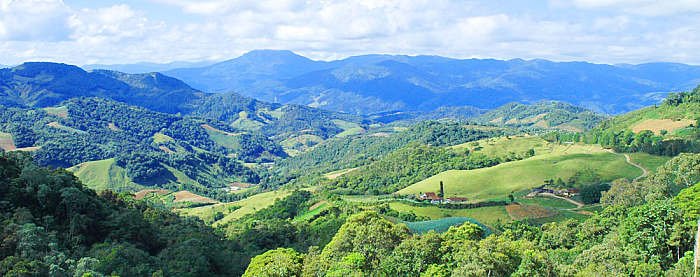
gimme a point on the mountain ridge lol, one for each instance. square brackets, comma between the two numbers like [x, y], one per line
[379, 83]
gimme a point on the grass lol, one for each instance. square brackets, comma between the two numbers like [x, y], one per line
[314, 210]
[247, 206]
[61, 112]
[104, 174]
[225, 139]
[656, 125]
[6, 142]
[684, 111]
[648, 161]
[545, 202]
[487, 215]
[502, 146]
[349, 128]
[161, 138]
[301, 143]
[498, 181]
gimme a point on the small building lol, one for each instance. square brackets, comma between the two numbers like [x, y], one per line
[430, 196]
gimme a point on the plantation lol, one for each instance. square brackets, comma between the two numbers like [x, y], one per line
[441, 225]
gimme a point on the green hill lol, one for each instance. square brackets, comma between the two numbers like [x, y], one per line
[562, 161]
[667, 129]
[545, 115]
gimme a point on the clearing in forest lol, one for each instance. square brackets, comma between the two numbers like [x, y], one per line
[656, 125]
[6, 142]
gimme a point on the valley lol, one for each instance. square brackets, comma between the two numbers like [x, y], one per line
[262, 176]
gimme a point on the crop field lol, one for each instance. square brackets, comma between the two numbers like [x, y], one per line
[520, 212]
[6, 142]
[442, 225]
[186, 196]
[498, 181]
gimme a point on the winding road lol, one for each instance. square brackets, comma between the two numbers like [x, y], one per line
[629, 160]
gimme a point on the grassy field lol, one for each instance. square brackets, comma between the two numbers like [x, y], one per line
[502, 146]
[104, 174]
[6, 142]
[498, 181]
[301, 143]
[161, 138]
[313, 211]
[246, 206]
[349, 128]
[225, 139]
[656, 125]
[61, 112]
[648, 161]
[486, 215]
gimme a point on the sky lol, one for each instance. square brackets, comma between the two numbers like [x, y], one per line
[120, 32]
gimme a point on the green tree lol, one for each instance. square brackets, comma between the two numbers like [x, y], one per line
[368, 234]
[281, 262]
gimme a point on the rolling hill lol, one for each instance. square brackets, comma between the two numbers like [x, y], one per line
[383, 83]
[545, 115]
[551, 162]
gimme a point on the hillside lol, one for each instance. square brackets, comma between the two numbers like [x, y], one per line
[45, 85]
[125, 148]
[676, 117]
[382, 83]
[550, 162]
[545, 115]
[666, 129]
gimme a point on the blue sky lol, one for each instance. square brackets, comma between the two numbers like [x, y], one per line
[113, 32]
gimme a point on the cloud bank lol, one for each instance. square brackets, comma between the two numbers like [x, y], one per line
[606, 31]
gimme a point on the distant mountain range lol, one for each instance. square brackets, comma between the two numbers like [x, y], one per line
[145, 66]
[381, 83]
[40, 85]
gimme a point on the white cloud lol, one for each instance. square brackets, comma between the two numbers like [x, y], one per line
[34, 20]
[644, 7]
[594, 30]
